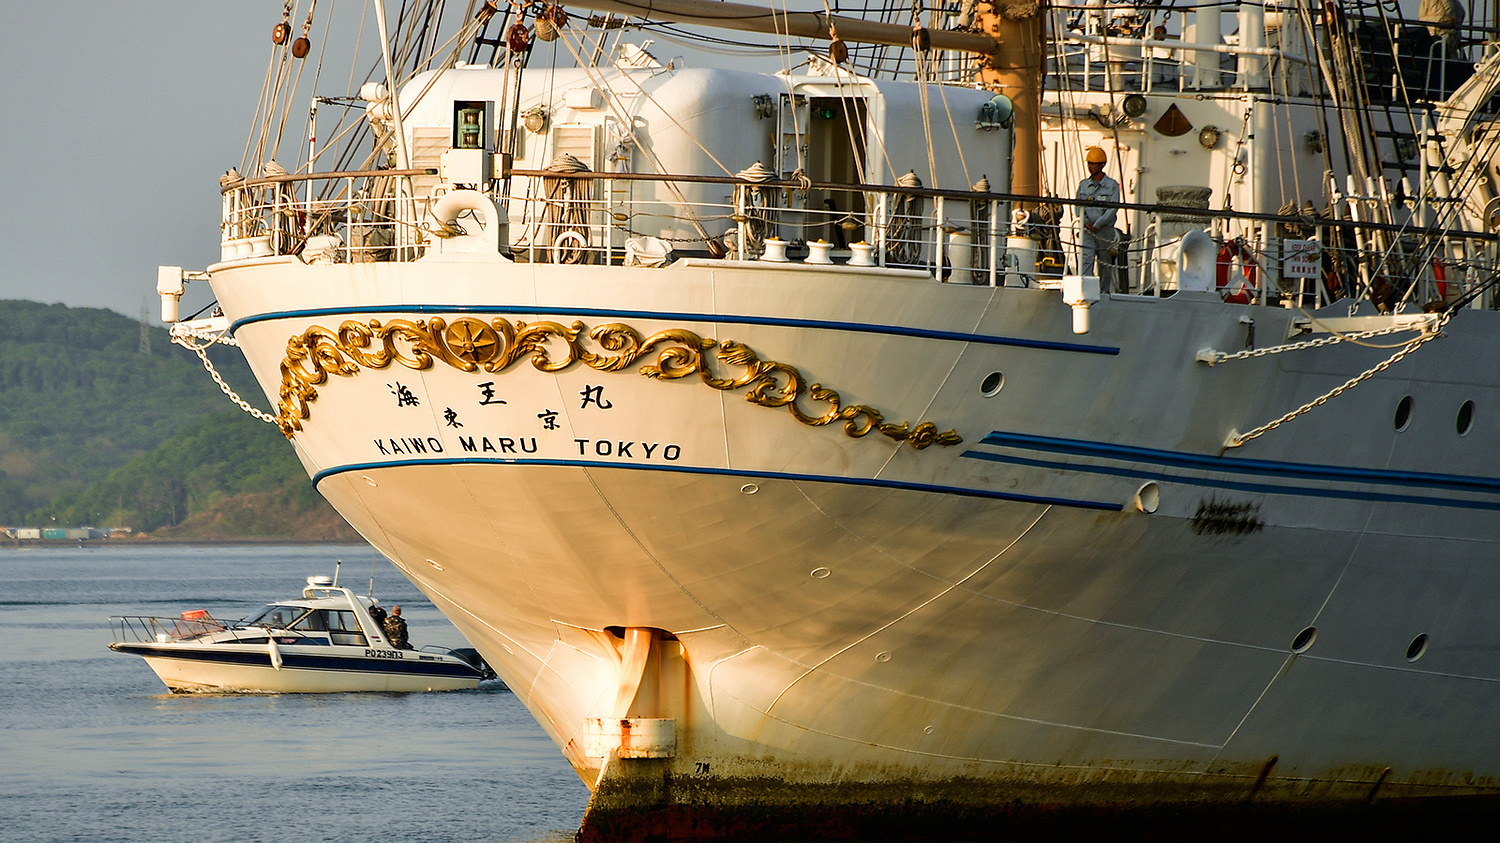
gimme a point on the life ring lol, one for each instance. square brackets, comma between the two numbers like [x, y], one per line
[1236, 288]
[1440, 278]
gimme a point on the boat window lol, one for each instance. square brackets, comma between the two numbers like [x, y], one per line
[315, 621]
[340, 624]
[342, 621]
[277, 617]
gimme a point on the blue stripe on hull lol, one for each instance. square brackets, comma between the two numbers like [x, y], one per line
[1128, 462]
[297, 661]
[727, 472]
[1269, 468]
[713, 318]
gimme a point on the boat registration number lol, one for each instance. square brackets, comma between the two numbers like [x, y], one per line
[384, 654]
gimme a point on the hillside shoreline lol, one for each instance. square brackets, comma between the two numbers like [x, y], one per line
[26, 544]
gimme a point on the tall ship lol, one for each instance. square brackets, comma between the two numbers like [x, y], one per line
[764, 428]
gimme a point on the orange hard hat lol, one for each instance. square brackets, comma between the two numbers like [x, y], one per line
[1095, 155]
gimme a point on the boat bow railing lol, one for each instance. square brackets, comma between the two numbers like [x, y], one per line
[150, 629]
[144, 629]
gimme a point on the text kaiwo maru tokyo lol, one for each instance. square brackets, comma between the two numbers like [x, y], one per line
[592, 399]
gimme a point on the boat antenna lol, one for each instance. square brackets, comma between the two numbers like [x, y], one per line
[372, 573]
[336, 564]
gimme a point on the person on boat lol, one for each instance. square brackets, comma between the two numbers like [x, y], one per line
[1097, 236]
[395, 630]
[377, 614]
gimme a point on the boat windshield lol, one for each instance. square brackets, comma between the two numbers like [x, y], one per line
[341, 626]
[277, 617]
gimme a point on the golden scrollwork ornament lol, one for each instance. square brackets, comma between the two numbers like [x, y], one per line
[469, 344]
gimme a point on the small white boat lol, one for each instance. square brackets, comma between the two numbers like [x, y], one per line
[328, 641]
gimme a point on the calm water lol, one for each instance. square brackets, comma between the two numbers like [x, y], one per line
[93, 748]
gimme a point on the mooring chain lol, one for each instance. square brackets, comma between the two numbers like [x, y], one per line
[180, 332]
[1236, 439]
[1212, 357]
[181, 335]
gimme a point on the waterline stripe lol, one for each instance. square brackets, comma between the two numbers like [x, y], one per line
[857, 327]
[764, 475]
[1269, 468]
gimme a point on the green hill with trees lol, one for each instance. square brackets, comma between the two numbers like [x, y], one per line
[105, 423]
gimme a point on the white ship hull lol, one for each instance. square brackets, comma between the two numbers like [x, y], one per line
[1088, 600]
[772, 544]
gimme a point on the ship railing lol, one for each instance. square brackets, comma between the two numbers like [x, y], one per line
[619, 218]
[360, 216]
[986, 238]
[774, 220]
[1310, 260]
[1124, 48]
[946, 234]
[1130, 48]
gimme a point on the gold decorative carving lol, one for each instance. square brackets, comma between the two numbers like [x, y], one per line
[473, 345]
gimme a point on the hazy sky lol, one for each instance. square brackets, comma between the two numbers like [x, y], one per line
[121, 116]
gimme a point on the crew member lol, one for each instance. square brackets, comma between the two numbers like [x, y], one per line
[395, 630]
[1097, 236]
[377, 614]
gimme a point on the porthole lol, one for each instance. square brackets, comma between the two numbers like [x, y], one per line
[1465, 418]
[1403, 413]
[1417, 648]
[1148, 498]
[1304, 640]
[991, 384]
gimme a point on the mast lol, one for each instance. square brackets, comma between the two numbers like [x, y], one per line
[391, 83]
[1016, 69]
